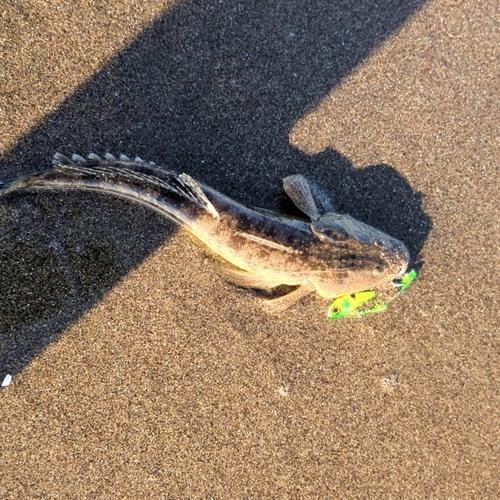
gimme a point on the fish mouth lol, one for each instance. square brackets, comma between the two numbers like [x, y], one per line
[402, 272]
[404, 258]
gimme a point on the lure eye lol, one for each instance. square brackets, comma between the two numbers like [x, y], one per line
[337, 310]
[350, 305]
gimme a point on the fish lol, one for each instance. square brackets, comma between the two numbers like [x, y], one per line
[325, 252]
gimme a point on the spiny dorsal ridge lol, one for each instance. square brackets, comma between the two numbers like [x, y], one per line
[60, 159]
[78, 159]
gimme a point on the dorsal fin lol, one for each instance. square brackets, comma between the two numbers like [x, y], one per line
[183, 185]
[194, 191]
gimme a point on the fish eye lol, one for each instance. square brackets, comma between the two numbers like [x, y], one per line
[335, 311]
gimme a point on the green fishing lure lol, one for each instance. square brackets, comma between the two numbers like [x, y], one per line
[353, 305]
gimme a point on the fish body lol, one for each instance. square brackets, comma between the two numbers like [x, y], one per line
[332, 254]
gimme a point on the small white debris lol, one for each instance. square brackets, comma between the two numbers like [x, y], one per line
[93, 156]
[390, 382]
[124, 158]
[109, 157]
[284, 390]
[7, 380]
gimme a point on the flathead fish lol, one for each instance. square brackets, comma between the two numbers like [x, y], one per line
[331, 254]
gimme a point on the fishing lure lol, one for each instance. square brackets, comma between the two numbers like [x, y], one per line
[352, 305]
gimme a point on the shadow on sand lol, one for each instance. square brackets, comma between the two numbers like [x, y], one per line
[211, 89]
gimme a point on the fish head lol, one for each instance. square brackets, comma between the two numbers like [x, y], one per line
[374, 254]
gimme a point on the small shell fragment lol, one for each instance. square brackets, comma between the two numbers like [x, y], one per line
[7, 380]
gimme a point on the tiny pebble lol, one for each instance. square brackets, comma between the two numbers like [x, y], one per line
[7, 380]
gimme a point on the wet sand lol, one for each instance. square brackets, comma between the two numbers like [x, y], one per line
[137, 372]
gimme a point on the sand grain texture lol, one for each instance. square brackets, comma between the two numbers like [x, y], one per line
[137, 372]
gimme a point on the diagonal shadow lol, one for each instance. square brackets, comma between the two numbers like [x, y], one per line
[212, 89]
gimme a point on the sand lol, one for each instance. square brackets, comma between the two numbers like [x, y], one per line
[137, 372]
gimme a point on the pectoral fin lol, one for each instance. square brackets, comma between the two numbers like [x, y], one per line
[282, 303]
[307, 197]
[243, 279]
[299, 191]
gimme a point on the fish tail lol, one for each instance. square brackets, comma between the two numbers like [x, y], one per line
[9, 185]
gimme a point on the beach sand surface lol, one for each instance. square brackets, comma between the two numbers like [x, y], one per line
[137, 372]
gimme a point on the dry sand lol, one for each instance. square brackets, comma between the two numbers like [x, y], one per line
[137, 372]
